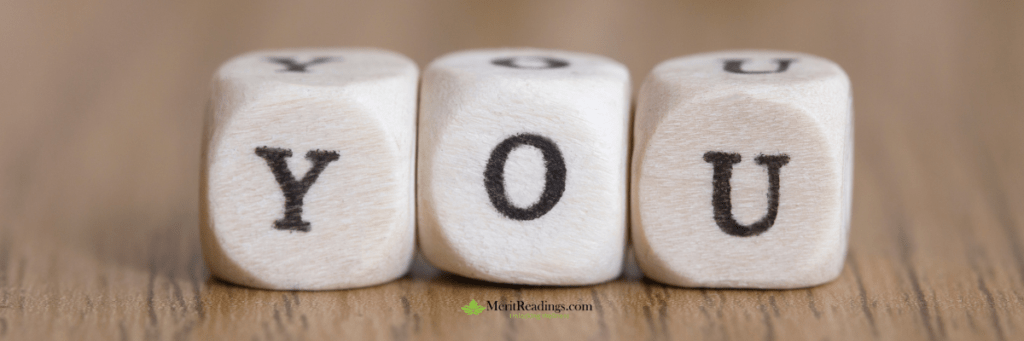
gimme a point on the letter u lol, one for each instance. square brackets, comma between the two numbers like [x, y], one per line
[721, 198]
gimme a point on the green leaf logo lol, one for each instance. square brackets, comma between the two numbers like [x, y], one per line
[472, 308]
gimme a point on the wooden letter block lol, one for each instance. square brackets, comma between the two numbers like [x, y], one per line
[742, 170]
[522, 166]
[308, 169]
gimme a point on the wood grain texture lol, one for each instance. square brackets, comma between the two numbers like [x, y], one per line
[99, 156]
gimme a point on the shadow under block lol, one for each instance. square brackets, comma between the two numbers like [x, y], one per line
[741, 170]
[523, 158]
[308, 165]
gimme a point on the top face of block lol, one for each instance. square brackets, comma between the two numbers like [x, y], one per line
[529, 63]
[748, 67]
[317, 67]
[816, 88]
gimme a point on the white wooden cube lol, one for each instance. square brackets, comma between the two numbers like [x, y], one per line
[308, 169]
[523, 158]
[741, 170]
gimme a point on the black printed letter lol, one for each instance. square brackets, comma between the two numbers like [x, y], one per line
[293, 190]
[531, 62]
[554, 177]
[736, 66]
[292, 66]
[721, 198]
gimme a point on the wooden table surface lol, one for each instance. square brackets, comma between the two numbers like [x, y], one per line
[100, 120]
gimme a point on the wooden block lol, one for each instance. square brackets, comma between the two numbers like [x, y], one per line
[522, 166]
[741, 172]
[308, 169]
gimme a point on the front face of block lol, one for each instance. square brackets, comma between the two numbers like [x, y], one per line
[522, 166]
[741, 170]
[308, 179]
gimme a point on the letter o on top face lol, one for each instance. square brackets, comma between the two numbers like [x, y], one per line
[741, 170]
[522, 166]
[531, 62]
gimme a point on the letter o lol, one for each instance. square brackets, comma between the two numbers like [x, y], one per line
[554, 177]
[543, 62]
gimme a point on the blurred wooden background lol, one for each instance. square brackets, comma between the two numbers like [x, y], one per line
[100, 118]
